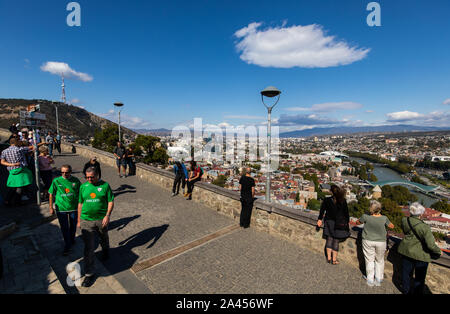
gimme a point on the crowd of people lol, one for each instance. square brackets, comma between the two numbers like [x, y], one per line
[88, 206]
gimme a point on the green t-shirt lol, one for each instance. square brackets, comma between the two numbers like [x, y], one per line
[374, 227]
[95, 199]
[66, 193]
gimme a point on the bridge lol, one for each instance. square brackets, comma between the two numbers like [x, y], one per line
[418, 186]
[168, 245]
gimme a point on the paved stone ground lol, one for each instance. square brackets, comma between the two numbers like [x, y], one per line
[147, 222]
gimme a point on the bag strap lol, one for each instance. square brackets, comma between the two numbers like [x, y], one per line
[424, 246]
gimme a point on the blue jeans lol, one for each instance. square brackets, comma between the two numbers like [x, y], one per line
[410, 266]
[68, 224]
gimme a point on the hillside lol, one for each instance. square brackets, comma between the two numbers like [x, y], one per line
[73, 121]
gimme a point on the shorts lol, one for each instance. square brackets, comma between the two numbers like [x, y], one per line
[121, 162]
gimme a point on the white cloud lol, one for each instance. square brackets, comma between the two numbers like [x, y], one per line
[435, 118]
[63, 69]
[126, 120]
[446, 102]
[329, 107]
[245, 117]
[75, 101]
[403, 116]
[369, 111]
[295, 46]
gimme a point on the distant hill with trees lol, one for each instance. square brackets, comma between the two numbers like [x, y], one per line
[73, 121]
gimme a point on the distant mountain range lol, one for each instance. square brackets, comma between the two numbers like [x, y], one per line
[326, 131]
[73, 120]
[156, 132]
[362, 129]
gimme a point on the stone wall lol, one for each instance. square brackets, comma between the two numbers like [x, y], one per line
[281, 221]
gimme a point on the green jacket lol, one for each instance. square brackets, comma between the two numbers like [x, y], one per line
[411, 246]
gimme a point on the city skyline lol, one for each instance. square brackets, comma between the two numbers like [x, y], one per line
[171, 62]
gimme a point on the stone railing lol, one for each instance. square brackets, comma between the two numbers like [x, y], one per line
[281, 221]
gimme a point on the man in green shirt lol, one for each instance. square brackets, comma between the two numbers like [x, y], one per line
[64, 194]
[95, 204]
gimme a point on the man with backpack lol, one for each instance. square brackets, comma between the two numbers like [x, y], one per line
[197, 173]
[180, 177]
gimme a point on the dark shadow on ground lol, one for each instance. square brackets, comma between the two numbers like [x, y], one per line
[123, 258]
[122, 223]
[124, 188]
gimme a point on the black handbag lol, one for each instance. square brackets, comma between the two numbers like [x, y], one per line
[424, 245]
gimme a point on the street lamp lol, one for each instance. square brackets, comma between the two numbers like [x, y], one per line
[119, 105]
[269, 92]
[57, 121]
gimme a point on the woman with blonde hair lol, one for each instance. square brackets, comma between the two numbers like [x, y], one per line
[374, 242]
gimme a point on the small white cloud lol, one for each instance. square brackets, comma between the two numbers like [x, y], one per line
[75, 101]
[126, 120]
[329, 107]
[369, 111]
[447, 101]
[295, 46]
[403, 116]
[244, 117]
[63, 69]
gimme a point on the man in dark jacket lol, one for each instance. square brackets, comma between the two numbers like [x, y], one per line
[93, 163]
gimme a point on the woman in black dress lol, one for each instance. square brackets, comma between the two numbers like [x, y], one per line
[336, 228]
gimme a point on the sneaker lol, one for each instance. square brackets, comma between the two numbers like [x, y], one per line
[378, 282]
[370, 283]
[173, 194]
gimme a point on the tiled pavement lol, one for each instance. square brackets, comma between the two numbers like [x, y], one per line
[148, 225]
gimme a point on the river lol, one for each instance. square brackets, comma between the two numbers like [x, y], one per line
[386, 174]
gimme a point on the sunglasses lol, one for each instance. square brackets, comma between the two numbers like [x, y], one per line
[63, 172]
[90, 178]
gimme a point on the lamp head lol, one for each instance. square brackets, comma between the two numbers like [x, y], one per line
[270, 92]
[118, 104]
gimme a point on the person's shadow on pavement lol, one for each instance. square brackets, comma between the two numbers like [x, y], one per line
[123, 258]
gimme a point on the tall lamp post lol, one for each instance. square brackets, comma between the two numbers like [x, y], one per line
[269, 92]
[55, 103]
[119, 105]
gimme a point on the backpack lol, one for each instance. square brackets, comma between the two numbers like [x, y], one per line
[201, 172]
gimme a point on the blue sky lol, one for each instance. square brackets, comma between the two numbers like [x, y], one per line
[172, 61]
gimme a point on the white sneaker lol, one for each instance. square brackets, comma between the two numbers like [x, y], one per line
[378, 282]
[370, 283]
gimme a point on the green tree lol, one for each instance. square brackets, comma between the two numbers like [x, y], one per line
[149, 149]
[357, 209]
[442, 206]
[391, 210]
[313, 204]
[106, 139]
[284, 168]
[363, 173]
[373, 177]
[398, 194]
[220, 181]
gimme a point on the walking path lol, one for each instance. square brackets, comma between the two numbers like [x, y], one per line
[165, 244]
